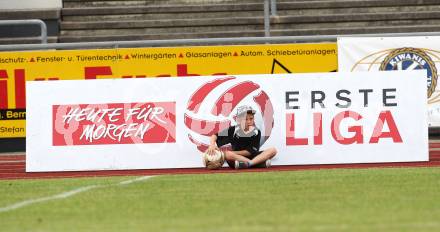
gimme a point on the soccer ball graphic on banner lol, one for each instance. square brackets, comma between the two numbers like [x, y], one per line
[212, 108]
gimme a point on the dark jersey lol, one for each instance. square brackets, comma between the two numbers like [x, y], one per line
[239, 140]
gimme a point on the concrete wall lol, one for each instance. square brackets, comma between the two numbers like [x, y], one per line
[30, 4]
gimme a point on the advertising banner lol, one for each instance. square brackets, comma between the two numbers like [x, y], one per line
[18, 67]
[396, 53]
[167, 122]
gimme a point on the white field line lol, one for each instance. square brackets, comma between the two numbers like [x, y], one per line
[379, 226]
[43, 199]
[11, 161]
[134, 180]
[67, 194]
[12, 153]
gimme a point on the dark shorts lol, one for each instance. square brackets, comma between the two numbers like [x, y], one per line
[231, 164]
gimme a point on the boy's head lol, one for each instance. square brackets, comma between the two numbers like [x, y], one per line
[245, 116]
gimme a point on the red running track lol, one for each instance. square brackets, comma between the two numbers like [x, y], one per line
[12, 166]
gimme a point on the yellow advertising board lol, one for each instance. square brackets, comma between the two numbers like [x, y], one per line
[18, 67]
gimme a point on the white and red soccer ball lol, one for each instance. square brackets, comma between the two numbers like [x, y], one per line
[213, 106]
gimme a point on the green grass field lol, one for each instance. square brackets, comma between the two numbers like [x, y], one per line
[389, 199]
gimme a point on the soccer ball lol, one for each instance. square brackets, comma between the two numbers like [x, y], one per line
[214, 161]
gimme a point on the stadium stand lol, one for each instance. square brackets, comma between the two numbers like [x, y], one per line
[112, 20]
[135, 20]
[27, 34]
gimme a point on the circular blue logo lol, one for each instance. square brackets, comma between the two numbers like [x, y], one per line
[411, 59]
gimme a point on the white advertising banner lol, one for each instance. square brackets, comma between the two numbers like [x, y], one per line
[395, 53]
[115, 124]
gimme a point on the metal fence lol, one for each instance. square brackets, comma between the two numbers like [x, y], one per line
[197, 42]
[38, 22]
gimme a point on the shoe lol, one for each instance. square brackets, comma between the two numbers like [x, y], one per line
[240, 164]
[266, 164]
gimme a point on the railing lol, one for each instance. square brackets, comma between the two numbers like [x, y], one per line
[270, 10]
[273, 7]
[196, 42]
[43, 35]
[267, 4]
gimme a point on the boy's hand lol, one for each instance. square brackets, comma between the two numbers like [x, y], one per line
[211, 149]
